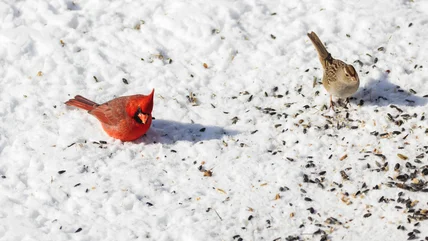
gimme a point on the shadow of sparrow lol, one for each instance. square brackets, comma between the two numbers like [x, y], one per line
[381, 92]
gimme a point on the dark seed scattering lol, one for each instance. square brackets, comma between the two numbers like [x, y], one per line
[283, 189]
[359, 62]
[381, 156]
[395, 107]
[125, 81]
[375, 133]
[292, 238]
[311, 210]
[344, 175]
[234, 120]
[61, 172]
[333, 221]
[305, 178]
[397, 167]
[78, 230]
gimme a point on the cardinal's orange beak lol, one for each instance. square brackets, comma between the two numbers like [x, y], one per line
[143, 117]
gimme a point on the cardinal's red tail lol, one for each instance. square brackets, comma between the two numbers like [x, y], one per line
[81, 102]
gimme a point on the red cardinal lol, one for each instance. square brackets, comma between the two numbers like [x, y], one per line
[126, 118]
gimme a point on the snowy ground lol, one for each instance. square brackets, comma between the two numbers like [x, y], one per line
[283, 167]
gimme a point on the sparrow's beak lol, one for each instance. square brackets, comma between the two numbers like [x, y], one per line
[143, 117]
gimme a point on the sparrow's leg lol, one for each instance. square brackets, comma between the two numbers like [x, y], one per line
[348, 102]
[331, 102]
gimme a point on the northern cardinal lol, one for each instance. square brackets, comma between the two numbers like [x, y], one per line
[126, 118]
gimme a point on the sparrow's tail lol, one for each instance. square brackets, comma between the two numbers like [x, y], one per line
[82, 102]
[319, 46]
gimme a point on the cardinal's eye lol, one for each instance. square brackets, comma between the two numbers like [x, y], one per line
[141, 117]
[137, 117]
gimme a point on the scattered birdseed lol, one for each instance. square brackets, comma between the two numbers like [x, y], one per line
[402, 157]
[344, 175]
[234, 120]
[333, 221]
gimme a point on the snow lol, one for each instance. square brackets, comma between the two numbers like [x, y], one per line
[59, 182]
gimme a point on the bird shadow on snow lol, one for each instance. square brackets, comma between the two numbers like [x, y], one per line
[169, 132]
[381, 92]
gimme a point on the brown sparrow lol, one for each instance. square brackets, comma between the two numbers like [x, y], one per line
[339, 79]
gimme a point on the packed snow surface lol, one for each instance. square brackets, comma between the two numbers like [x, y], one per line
[242, 146]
